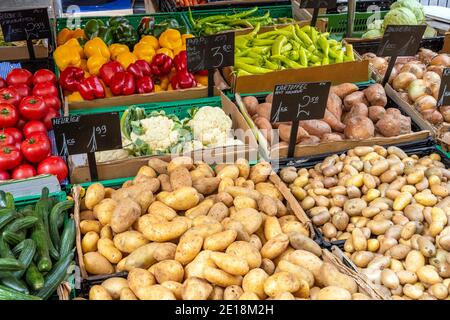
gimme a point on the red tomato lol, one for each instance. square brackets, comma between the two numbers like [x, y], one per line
[22, 89]
[17, 76]
[52, 102]
[9, 95]
[44, 75]
[52, 113]
[34, 126]
[36, 147]
[16, 133]
[24, 171]
[10, 157]
[20, 123]
[6, 139]
[45, 89]
[33, 108]
[4, 175]
[8, 115]
[54, 165]
[2, 83]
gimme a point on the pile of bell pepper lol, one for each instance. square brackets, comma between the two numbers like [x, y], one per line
[97, 70]
[290, 47]
[246, 19]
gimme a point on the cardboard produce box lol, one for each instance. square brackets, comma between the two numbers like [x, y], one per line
[79, 171]
[11, 53]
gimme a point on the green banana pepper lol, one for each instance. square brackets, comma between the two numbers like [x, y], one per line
[263, 42]
[294, 55]
[251, 69]
[291, 64]
[278, 44]
[303, 57]
[324, 45]
[304, 37]
[271, 65]
[287, 47]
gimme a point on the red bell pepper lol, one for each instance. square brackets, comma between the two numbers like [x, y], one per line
[122, 83]
[145, 85]
[139, 69]
[91, 88]
[183, 80]
[108, 70]
[180, 61]
[70, 78]
[161, 65]
[202, 73]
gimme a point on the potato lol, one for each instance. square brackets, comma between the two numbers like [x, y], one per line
[89, 242]
[376, 113]
[344, 89]
[143, 257]
[260, 172]
[251, 104]
[376, 95]
[168, 270]
[87, 215]
[333, 293]
[330, 276]
[231, 264]
[315, 127]
[158, 208]
[220, 241]
[275, 246]
[97, 292]
[306, 260]
[180, 177]
[155, 292]
[94, 194]
[220, 277]
[104, 210]
[232, 293]
[242, 202]
[300, 272]
[354, 98]
[354, 207]
[129, 241]
[141, 193]
[253, 282]
[389, 279]
[267, 205]
[183, 198]
[200, 210]
[272, 228]
[90, 225]
[166, 231]
[247, 251]
[124, 215]
[206, 185]
[114, 286]
[219, 210]
[359, 128]
[301, 242]
[158, 165]
[107, 249]
[281, 282]
[270, 190]
[164, 181]
[127, 294]
[359, 109]
[428, 275]
[95, 263]
[188, 248]
[250, 219]
[196, 289]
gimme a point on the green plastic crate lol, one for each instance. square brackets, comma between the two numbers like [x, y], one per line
[337, 23]
[134, 19]
[275, 12]
[24, 201]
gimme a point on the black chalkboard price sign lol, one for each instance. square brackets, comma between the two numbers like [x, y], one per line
[444, 91]
[316, 5]
[209, 53]
[299, 101]
[401, 40]
[79, 134]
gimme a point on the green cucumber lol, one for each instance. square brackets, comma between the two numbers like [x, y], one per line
[55, 277]
[13, 283]
[2, 199]
[21, 224]
[7, 218]
[55, 214]
[67, 238]
[10, 264]
[27, 251]
[14, 238]
[9, 294]
[5, 251]
[44, 206]
[34, 277]
[10, 201]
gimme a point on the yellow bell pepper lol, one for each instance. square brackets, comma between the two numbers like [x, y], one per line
[96, 46]
[65, 56]
[151, 40]
[203, 80]
[126, 58]
[63, 36]
[86, 74]
[108, 92]
[74, 44]
[144, 51]
[161, 84]
[74, 97]
[170, 39]
[94, 64]
[186, 36]
[177, 50]
[165, 51]
[83, 64]
[116, 48]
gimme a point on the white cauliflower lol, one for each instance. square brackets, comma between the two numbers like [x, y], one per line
[111, 155]
[192, 145]
[160, 133]
[211, 126]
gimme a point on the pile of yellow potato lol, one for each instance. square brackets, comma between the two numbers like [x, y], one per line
[391, 209]
[186, 231]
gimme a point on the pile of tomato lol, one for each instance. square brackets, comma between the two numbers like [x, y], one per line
[28, 102]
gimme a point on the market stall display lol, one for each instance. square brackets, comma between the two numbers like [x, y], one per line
[390, 208]
[36, 247]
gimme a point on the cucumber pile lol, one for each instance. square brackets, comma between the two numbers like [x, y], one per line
[36, 247]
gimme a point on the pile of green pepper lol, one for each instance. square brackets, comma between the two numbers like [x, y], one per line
[291, 47]
[246, 19]
[116, 30]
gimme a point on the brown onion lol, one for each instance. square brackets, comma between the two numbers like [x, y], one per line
[394, 74]
[425, 103]
[438, 69]
[416, 69]
[432, 78]
[404, 96]
[441, 60]
[435, 92]
[402, 81]
[417, 89]
[426, 55]
[433, 116]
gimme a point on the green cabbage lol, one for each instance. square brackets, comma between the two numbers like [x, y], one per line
[374, 33]
[399, 16]
[430, 33]
[413, 5]
[376, 25]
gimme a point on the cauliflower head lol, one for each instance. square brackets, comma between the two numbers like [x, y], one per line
[211, 126]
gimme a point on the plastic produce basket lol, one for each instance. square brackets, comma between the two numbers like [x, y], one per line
[337, 23]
